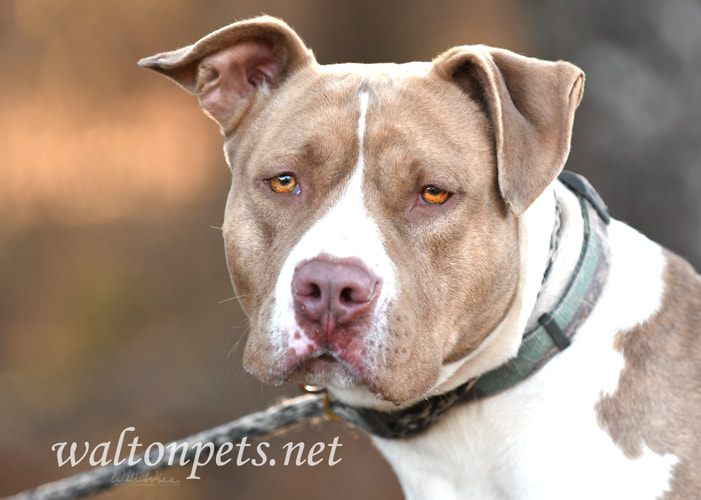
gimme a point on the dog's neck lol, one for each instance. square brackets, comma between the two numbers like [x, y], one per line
[535, 294]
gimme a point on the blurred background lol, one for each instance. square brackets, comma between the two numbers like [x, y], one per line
[115, 305]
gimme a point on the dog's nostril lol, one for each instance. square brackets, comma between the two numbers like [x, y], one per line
[347, 295]
[308, 289]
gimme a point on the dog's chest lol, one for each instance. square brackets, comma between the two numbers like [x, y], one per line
[544, 438]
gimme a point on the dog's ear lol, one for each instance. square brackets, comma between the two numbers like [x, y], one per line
[228, 68]
[531, 105]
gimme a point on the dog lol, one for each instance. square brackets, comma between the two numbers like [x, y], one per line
[404, 235]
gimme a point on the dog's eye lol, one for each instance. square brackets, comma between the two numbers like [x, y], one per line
[434, 195]
[284, 183]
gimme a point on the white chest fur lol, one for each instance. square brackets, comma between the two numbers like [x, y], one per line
[541, 439]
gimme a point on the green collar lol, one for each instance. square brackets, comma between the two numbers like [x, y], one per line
[553, 333]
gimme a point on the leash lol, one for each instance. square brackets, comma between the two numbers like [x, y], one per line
[256, 425]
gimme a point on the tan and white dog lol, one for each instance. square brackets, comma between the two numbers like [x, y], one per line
[397, 233]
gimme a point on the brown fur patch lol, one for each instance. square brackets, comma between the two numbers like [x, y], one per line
[457, 263]
[658, 400]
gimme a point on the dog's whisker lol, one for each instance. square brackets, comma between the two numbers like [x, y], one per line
[236, 297]
[236, 344]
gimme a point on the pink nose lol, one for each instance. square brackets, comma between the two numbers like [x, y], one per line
[333, 293]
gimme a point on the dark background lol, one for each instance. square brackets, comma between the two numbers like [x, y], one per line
[113, 284]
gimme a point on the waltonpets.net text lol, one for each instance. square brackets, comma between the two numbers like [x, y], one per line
[203, 453]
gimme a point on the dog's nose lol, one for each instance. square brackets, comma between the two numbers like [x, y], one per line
[333, 293]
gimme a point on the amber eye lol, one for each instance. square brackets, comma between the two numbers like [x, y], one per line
[285, 183]
[434, 195]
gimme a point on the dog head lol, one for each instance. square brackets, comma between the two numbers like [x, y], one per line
[372, 224]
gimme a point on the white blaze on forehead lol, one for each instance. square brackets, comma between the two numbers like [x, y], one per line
[345, 230]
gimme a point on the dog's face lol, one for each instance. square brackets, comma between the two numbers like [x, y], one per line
[371, 229]
[339, 275]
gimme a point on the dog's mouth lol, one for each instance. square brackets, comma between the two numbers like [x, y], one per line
[325, 369]
[320, 364]
[326, 358]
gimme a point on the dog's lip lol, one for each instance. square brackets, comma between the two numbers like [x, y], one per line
[323, 364]
[322, 359]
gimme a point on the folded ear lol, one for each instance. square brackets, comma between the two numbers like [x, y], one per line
[531, 105]
[230, 66]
